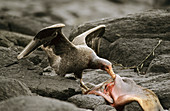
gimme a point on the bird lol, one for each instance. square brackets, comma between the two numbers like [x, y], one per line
[121, 91]
[69, 56]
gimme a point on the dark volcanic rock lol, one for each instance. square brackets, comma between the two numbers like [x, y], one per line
[36, 103]
[87, 101]
[95, 76]
[27, 72]
[161, 3]
[150, 24]
[9, 39]
[12, 88]
[70, 12]
[133, 1]
[130, 52]
[22, 25]
[160, 64]
[134, 106]
[57, 87]
[102, 48]
[104, 108]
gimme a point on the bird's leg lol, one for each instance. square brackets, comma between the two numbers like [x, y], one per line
[83, 85]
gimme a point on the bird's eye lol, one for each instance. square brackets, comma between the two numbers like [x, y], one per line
[106, 67]
[102, 67]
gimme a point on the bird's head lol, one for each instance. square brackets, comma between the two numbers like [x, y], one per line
[105, 65]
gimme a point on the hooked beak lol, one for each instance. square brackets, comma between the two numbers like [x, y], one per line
[110, 71]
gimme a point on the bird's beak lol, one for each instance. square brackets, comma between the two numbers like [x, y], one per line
[110, 71]
[29, 48]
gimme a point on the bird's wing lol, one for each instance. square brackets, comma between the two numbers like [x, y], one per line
[89, 36]
[60, 44]
[49, 36]
[49, 31]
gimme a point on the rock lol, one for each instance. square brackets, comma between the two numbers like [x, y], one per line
[22, 25]
[57, 87]
[74, 12]
[9, 39]
[102, 48]
[130, 52]
[160, 64]
[5, 42]
[119, 1]
[161, 3]
[104, 108]
[30, 73]
[150, 24]
[87, 101]
[36, 103]
[95, 76]
[146, 2]
[12, 88]
[134, 106]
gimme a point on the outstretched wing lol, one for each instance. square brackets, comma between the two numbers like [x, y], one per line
[89, 36]
[60, 44]
[49, 36]
[48, 32]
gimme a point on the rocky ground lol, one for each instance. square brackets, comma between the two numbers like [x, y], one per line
[128, 40]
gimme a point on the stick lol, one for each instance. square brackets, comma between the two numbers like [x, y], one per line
[140, 65]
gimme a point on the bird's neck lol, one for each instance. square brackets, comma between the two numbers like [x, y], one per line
[95, 63]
